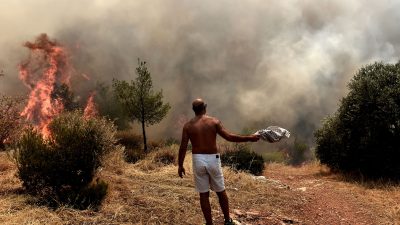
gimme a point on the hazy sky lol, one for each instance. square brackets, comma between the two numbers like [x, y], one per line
[256, 62]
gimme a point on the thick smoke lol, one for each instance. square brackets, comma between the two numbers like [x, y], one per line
[255, 62]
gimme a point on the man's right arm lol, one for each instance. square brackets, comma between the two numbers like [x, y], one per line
[182, 151]
[234, 137]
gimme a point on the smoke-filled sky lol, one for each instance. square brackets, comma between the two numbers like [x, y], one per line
[255, 62]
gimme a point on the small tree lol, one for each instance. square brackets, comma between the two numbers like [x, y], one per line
[139, 99]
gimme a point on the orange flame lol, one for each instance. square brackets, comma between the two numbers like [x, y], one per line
[46, 67]
[90, 109]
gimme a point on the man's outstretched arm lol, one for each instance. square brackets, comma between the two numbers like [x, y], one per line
[234, 137]
[182, 151]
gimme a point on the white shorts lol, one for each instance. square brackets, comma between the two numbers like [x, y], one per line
[207, 172]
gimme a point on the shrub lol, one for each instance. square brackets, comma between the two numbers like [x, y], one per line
[133, 145]
[105, 98]
[129, 139]
[10, 121]
[89, 196]
[156, 145]
[132, 155]
[165, 156]
[363, 135]
[62, 168]
[242, 158]
[171, 141]
[159, 158]
[298, 152]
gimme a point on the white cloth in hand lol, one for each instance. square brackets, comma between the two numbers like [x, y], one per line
[273, 134]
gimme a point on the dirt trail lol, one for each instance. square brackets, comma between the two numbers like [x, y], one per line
[329, 200]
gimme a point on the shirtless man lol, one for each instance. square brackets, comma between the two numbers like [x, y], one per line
[202, 132]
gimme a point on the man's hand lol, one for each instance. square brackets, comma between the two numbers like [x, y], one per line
[255, 137]
[181, 171]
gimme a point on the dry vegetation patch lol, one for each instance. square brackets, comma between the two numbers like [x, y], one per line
[141, 196]
[138, 195]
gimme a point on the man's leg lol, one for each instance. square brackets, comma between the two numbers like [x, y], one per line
[205, 207]
[224, 203]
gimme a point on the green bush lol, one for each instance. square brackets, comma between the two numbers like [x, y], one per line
[298, 152]
[89, 196]
[241, 158]
[105, 98]
[363, 135]
[62, 168]
[132, 142]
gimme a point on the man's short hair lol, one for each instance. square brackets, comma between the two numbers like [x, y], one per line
[199, 108]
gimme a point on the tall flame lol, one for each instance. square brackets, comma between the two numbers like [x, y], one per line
[90, 109]
[46, 67]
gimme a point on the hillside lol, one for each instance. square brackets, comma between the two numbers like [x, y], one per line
[151, 193]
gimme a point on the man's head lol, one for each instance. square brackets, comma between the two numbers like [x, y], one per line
[199, 107]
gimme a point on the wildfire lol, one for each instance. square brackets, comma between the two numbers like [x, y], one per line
[46, 69]
[90, 110]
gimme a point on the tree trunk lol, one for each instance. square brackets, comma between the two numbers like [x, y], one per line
[143, 124]
[144, 137]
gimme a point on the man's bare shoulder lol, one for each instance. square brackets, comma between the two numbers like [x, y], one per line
[205, 119]
[187, 124]
[213, 120]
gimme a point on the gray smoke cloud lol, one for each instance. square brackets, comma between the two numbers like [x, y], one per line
[255, 62]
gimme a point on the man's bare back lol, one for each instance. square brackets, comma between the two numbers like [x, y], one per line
[202, 132]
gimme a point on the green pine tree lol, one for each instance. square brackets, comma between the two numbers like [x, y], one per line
[139, 99]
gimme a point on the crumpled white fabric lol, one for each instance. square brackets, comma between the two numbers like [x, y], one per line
[273, 134]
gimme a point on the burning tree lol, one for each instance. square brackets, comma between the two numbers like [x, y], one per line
[139, 99]
[46, 68]
[47, 73]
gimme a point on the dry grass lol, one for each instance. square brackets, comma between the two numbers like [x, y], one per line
[383, 195]
[151, 193]
[156, 160]
[140, 195]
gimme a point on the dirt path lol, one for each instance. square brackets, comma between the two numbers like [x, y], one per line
[328, 200]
